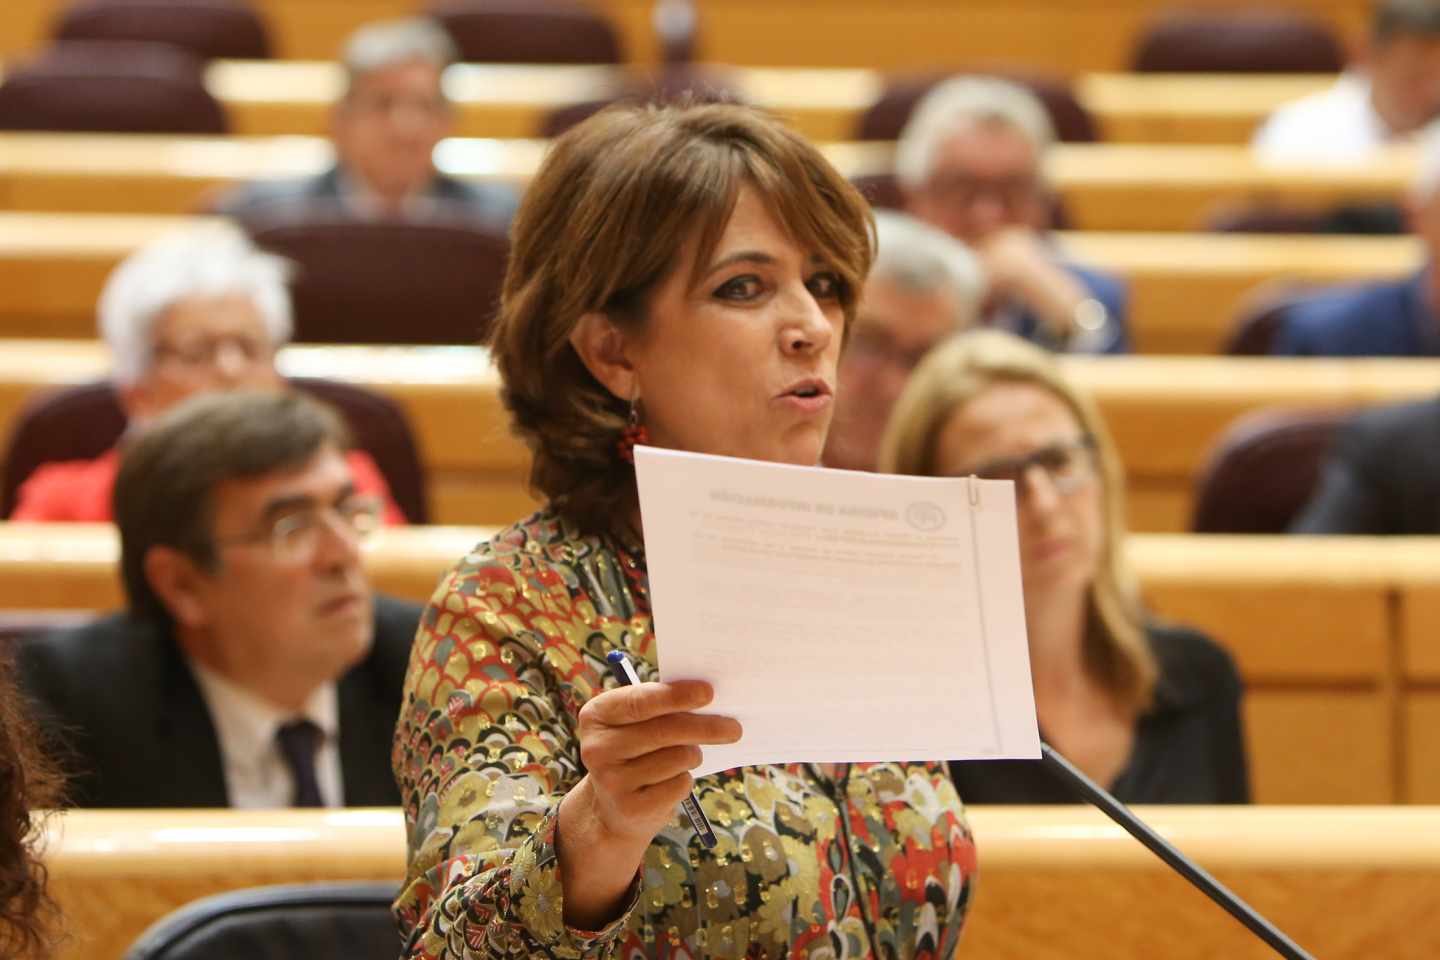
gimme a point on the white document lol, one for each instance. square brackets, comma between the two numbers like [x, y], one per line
[840, 616]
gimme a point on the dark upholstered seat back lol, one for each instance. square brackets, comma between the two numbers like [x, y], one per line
[110, 87]
[1260, 317]
[390, 281]
[1238, 41]
[886, 117]
[322, 921]
[1263, 469]
[82, 422]
[209, 29]
[672, 83]
[528, 31]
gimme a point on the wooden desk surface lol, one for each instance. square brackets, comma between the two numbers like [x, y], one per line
[1165, 412]
[1346, 882]
[1322, 629]
[853, 33]
[1185, 289]
[1208, 581]
[511, 100]
[1104, 186]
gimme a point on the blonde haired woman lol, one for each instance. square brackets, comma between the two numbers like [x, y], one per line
[1149, 711]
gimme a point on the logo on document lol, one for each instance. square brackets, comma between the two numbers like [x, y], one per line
[925, 516]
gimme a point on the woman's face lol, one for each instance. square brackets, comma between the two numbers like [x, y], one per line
[744, 363]
[1024, 430]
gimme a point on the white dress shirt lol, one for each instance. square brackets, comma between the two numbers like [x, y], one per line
[1335, 125]
[256, 774]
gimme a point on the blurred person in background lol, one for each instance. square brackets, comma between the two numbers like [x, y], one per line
[1384, 318]
[924, 286]
[254, 666]
[1382, 477]
[192, 312]
[385, 129]
[1391, 92]
[1151, 712]
[971, 162]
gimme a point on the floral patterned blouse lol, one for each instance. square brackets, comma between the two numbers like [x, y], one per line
[864, 860]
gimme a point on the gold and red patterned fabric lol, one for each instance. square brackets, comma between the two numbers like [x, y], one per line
[862, 860]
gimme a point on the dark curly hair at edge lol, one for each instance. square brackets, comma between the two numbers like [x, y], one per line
[28, 783]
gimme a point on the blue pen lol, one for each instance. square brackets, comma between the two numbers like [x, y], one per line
[624, 672]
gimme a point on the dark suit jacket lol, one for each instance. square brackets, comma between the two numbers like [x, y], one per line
[1389, 319]
[1109, 290]
[491, 204]
[1383, 475]
[131, 727]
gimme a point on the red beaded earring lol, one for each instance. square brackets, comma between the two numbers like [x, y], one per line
[634, 433]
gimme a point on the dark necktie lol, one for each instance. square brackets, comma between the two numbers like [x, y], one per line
[299, 741]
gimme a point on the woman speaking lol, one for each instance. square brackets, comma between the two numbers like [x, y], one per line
[680, 276]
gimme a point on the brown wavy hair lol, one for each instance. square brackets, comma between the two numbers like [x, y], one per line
[1116, 652]
[600, 228]
[29, 783]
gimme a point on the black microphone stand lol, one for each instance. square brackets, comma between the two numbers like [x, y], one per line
[1092, 793]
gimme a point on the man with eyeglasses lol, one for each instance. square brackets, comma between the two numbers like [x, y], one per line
[385, 129]
[192, 312]
[970, 161]
[923, 287]
[254, 666]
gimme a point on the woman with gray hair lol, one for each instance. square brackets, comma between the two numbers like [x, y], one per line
[924, 287]
[193, 312]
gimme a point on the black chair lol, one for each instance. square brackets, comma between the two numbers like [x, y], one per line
[321, 921]
[433, 281]
[110, 87]
[528, 31]
[82, 422]
[1260, 317]
[1240, 41]
[886, 118]
[1263, 469]
[667, 85]
[209, 29]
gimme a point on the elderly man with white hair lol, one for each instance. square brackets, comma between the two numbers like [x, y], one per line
[193, 312]
[1387, 318]
[971, 162]
[923, 287]
[385, 129]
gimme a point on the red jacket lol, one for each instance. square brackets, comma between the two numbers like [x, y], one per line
[78, 491]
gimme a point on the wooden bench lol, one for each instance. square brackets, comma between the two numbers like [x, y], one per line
[294, 97]
[1185, 289]
[1104, 186]
[1351, 883]
[1317, 626]
[1165, 412]
[851, 33]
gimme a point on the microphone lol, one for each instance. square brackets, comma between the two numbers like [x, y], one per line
[1089, 791]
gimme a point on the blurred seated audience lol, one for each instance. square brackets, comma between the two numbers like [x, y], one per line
[385, 129]
[1150, 712]
[192, 312]
[971, 162]
[1382, 477]
[1386, 318]
[1391, 93]
[28, 785]
[254, 667]
[924, 285]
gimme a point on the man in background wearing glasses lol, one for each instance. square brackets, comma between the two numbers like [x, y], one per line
[254, 666]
